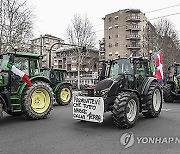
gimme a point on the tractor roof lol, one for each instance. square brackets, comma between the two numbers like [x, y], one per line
[25, 54]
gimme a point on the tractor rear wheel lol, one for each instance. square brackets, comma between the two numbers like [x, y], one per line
[167, 93]
[154, 101]
[126, 110]
[64, 95]
[37, 100]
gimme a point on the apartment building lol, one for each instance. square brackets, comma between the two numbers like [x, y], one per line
[66, 58]
[124, 34]
[42, 44]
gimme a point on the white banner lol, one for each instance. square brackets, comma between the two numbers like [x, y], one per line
[88, 108]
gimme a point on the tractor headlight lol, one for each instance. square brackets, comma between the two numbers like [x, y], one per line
[104, 92]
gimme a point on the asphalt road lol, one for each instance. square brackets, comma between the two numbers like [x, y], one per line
[60, 134]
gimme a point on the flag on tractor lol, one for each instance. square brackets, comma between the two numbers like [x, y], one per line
[20, 73]
[158, 66]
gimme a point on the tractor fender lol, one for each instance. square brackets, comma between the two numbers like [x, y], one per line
[60, 84]
[3, 99]
[147, 84]
[134, 91]
[35, 78]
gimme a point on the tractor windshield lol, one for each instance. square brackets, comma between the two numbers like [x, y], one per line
[3, 62]
[121, 66]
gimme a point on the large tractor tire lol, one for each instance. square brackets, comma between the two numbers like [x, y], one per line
[37, 101]
[64, 95]
[126, 110]
[154, 101]
[167, 93]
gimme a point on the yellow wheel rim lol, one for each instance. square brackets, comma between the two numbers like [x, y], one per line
[65, 94]
[40, 100]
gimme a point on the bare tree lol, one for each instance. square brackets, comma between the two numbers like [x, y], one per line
[16, 21]
[80, 33]
[162, 36]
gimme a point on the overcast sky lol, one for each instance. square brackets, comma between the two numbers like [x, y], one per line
[53, 16]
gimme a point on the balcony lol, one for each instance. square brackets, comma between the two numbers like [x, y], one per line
[133, 37]
[133, 18]
[133, 27]
[133, 46]
[101, 51]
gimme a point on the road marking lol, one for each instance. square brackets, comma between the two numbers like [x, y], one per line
[166, 110]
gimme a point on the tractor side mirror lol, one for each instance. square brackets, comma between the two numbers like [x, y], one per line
[103, 72]
[11, 58]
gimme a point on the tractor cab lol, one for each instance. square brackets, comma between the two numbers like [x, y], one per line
[172, 87]
[55, 75]
[26, 62]
[132, 70]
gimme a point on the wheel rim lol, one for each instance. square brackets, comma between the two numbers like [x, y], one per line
[40, 100]
[156, 99]
[131, 110]
[65, 95]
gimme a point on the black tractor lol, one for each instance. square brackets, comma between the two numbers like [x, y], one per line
[128, 89]
[171, 90]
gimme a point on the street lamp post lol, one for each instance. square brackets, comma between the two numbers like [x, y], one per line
[50, 50]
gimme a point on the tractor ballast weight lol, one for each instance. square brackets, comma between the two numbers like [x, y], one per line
[128, 89]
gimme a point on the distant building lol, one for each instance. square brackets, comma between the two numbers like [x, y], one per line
[66, 58]
[102, 50]
[124, 34]
[42, 44]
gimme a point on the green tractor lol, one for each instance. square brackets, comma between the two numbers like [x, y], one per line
[171, 90]
[127, 90]
[16, 97]
[61, 89]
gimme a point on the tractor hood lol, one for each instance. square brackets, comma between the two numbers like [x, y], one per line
[104, 84]
[109, 82]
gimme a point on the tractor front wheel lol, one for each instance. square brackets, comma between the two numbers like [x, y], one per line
[126, 110]
[154, 101]
[37, 101]
[64, 95]
[167, 93]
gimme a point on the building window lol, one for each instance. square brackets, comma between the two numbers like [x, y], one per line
[110, 44]
[117, 35]
[116, 53]
[110, 27]
[110, 53]
[110, 18]
[116, 44]
[116, 18]
[109, 37]
[116, 26]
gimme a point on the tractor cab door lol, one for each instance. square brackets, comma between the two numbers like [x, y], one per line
[142, 72]
[22, 64]
[34, 67]
[61, 75]
[53, 77]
